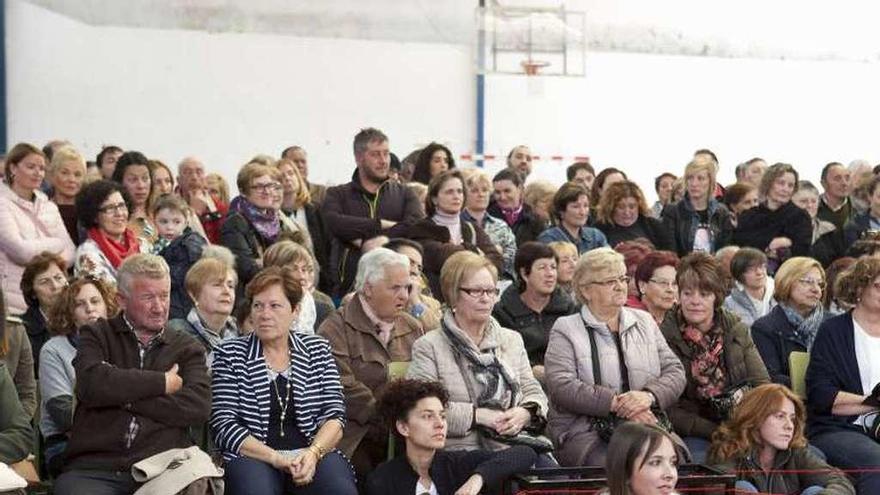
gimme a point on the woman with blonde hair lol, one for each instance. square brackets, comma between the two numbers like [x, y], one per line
[66, 173]
[218, 187]
[698, 222]
[792, 324]
[764, 444]
[539, 195]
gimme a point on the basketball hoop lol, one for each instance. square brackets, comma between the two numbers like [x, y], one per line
[532, 67]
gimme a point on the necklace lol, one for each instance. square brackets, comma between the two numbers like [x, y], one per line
[282, 403]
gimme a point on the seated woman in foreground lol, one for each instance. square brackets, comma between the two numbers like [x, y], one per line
[416, 410]
[642, 460]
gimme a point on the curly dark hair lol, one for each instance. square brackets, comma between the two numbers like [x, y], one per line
[855, 279]
[129, 159]
[422, 171]
[91, 196]
[61, 321]
[401, 396]
[37, 265]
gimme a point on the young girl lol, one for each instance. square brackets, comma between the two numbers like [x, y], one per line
[764, 443]
[179, 245]
[641, 460]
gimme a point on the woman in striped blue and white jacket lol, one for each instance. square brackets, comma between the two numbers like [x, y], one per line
[278, 408]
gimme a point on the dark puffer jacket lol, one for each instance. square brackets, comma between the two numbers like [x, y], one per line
[534, 327]
[758, 226]
[181, 255]
[682, 221]
[793, 471]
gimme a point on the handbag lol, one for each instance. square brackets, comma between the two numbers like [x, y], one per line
[721, 406]
[604, 426]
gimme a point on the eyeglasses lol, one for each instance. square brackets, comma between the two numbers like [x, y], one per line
[611, 282]
[111, 209]
[812, 281]
[666, 284]
[265, 188]
[476, 292]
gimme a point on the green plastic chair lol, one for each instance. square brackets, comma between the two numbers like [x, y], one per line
[797, 366]
[396, 369]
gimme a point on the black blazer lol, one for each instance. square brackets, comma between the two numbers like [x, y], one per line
[450, 469]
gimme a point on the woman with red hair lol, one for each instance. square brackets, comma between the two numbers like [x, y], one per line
[764, 444]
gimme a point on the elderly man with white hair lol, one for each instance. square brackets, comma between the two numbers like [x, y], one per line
[369, 332]
[193, 188]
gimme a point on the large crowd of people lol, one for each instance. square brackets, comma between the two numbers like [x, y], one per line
[428, 328]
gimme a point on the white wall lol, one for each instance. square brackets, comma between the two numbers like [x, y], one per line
[228, 96]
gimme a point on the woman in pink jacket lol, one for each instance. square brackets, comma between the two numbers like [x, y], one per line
[29, 222]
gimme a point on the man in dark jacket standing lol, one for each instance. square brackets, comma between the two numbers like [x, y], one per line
[140, 386]
[366, 212]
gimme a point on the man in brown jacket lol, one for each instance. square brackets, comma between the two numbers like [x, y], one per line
[140, 386]
[366, 334]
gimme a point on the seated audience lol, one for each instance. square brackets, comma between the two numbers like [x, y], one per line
[478, 192]
[606, 177]
[833, 305]
[209, 205]
[793, 323]
[179, 245]
[656, 288]
[740, 197]
[433, 160]
[140, 386]
[216, 186]
[106, 160]
[102, 207]
[370, 331]
[532, 304]
[443, 233]
[571, 210]
[629, 374]
[210, 285]
[367, 211]
[29, 222]
[539, 195]
[754, 171]
[133, 173]
[298, 208]
[763, 443]
[300, 158]
[776, 226]
[663, 187]
[508, 205]
[315, 305]
[519, 160]
[421, 304]
[834, 204]
[161, 180]
[43, 280]
[494, 397]
[807, 199]
[81, 303]
[581, 173]
[278, 408]
[752, 294]
[15, 353]
[724, 256]
[634, 252]
[642, 460]
[623, 215]
[868, 221]
[715, 348]
[416, 411]
[842, 388]
[567, 257]
[66, 173]
[698, 222]
[16, 435]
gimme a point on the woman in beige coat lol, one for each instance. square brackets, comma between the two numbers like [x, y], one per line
[493, 395]
[650, 376]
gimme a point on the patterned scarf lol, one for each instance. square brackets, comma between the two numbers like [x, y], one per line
[208, 336]
[805, 328]
[511, 216]
[266, 222]
[115, 251]
[707, 366]
[497, 388]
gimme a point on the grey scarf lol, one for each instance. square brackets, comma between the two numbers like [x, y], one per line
[230, 330]
[805, 328]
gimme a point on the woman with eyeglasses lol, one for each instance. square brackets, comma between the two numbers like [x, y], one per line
[103, 208]
[656, 288]
[793, 323]
[254, 220]
[29, 222]
[716, 349]
[494, 399]
[752, 294]
[606, 363]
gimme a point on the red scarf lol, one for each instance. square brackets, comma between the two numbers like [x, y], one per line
[115, 251]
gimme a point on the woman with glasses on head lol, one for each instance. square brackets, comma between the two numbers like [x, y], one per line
[655, 284]
[752, 294]
[793, 323]
[494, 399]
[607, 363]
[716, 349]
[103, 208]
[29, 222]
[254, 220]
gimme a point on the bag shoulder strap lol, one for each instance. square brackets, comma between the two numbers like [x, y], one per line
[594, 355]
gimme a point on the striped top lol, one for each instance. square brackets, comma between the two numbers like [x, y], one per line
[240, 385]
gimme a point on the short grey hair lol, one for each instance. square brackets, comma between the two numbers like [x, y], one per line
[141, 265]
[367, 136]
[721, 253]
[187, 161]
[373, 266]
